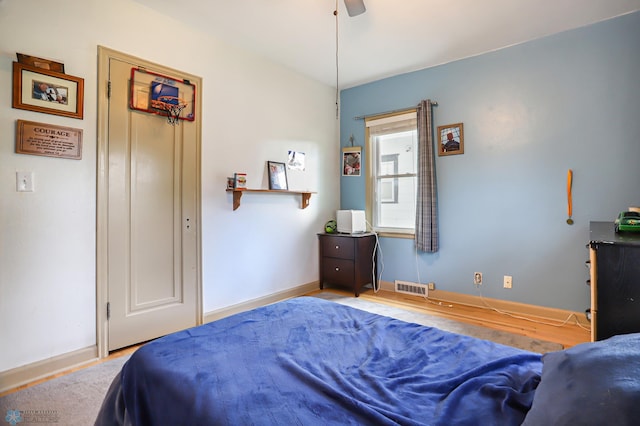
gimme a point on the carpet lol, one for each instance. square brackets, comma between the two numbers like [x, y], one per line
[74, 399]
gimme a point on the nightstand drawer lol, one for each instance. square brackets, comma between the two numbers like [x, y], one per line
[340, 247]
[338, 271]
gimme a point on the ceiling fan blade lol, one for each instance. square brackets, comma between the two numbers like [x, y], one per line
[355, 7]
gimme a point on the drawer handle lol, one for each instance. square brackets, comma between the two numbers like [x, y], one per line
[337, 247]
[337, 269]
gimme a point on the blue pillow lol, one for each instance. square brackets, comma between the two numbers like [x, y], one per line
[590, 384]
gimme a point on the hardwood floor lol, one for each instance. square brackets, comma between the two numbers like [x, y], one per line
[569, 334]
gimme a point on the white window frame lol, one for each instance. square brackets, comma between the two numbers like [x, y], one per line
[403, 120]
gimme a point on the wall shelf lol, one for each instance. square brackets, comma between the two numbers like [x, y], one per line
[237, 195]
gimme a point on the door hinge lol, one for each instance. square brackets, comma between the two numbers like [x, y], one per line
[108, 310]
[109, 89]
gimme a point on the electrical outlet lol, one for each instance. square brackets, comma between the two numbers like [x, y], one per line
[432, 286]
[508, 281]
[477, 278]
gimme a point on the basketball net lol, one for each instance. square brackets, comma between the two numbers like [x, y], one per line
[173, 106]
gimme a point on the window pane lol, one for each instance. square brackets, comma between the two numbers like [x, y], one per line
[402, 212]
[389, 187]
[403, 145]
[389, 191]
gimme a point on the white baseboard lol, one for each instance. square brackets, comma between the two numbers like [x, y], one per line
[255, 303]
[25, 374]
[517, 308]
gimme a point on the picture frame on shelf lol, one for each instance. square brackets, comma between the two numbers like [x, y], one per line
[49, 92]
[277, 175]
[451, 139]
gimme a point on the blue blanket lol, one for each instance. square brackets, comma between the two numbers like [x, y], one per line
[309, 361]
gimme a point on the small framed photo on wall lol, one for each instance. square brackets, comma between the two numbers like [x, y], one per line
[451, 139]
[351, 161]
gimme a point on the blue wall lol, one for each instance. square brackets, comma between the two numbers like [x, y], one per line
[530, 113]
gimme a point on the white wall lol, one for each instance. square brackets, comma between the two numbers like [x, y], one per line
[253, 111]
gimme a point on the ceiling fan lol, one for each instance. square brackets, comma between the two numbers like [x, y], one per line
[355, 7]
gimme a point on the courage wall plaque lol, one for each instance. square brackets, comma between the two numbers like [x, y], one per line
[48, 140]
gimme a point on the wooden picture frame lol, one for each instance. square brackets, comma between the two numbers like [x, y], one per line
[451, 139]
[36, 62]
[50, 92]
[277, 175]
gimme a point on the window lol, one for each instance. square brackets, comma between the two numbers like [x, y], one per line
[389, 188]
[392, 142]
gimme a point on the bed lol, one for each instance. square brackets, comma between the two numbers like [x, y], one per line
[308, 361]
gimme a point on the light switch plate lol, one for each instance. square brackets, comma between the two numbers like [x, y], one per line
[24, 181]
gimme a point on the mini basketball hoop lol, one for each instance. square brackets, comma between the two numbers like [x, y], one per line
[173, 105]
[162, 95]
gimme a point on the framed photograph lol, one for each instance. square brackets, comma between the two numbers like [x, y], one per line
[231, 182]
[277, 175]
[36, 62]
[351, 161]
[451, 139]
[50, 92]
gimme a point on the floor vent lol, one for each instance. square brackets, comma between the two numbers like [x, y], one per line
[412, 288]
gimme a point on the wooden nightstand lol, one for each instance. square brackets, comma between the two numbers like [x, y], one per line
[347, 260]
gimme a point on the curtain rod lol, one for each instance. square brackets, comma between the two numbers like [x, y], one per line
[362, 117]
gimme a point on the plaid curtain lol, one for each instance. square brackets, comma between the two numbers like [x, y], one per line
[426, 236]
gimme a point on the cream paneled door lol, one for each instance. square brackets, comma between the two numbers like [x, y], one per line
[153, 265]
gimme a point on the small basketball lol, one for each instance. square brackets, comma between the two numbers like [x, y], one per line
[331, 227]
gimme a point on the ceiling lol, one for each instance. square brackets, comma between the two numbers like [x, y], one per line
[391, 37]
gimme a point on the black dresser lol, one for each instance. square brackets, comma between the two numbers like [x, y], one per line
[615, 281]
